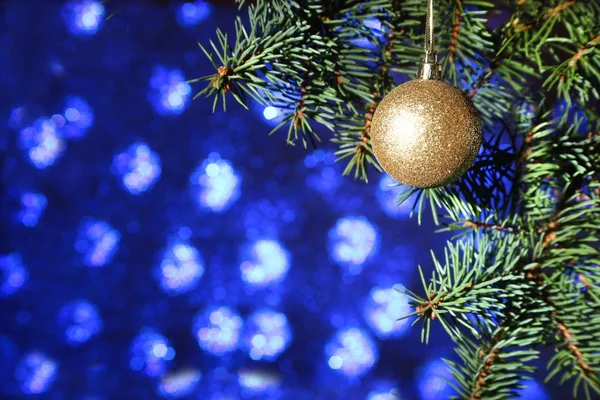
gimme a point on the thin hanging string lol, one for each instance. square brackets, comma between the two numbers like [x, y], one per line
[429, 40]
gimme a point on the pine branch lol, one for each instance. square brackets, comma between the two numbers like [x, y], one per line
[576, 332]
[564, 249]
[473, 301]
[494, 366]
[523, 269]
[573, 218]
[481, 289]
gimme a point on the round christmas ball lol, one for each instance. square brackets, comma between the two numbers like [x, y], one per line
[426, 133]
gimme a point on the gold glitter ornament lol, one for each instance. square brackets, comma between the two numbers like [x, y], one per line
[426, 133]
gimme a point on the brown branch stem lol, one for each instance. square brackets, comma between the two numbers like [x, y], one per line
[482, 225]
[455, 32]
[535, 276]
[303, 92]
[490, 356]
[573, 347]
[581, 52]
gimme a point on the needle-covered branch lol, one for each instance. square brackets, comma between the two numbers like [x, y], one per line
[523, 270]
[576, 336]
[455, 293]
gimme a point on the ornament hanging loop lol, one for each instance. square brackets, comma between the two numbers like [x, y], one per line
[429, 68]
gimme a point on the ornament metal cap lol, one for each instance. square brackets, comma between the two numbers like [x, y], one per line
[429, 69]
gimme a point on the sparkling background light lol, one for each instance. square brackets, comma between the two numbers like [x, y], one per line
[267, 335]
[351, 352]
[80, 321]
[266, 262]
[191, 13]
[78, 117]
[43, 143]
[139, 168]
[214, 184]
[384, 390]
[151, 353]
[83, 17]
[33, 205]
[384, 306]
[270, 113]
[36, 372]
[433, 381]
[13, 274]
[97, 241]
[169, 92]
[352, 240]
[385, 395]
[179, 384]
[217, 330]
[373, 27]
[388, 192]
[256, 381]
[180, 269]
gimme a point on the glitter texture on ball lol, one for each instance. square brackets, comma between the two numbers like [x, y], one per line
[426, 133]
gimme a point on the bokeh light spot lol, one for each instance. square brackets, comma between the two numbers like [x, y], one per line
[270, 113]
[266, 262]
[178, 384]
[181, 268]
[151, 353]
[97, 242]
[267, 335]
[80, 321]
[352, 241]
[36, 372]
[169, 93]
[384, 390]
[217, 330]
[384, 306]
[258, 381]
[139, 168]
[351, 352]
[433, 383]
[387, 195]
[13, 274]
[370, 27]
[33, 205]
[78, 117]
[193, 12]
[83, 17]
[214, 184]
[382, 396]
[43, 143]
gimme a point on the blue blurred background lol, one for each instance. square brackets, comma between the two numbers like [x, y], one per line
[153, 249]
